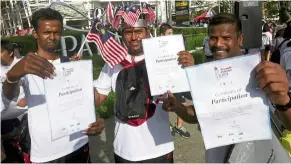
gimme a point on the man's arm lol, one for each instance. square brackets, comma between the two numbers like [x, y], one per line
[30, 64]
[172, 104]
[272, 79]
[285, 117]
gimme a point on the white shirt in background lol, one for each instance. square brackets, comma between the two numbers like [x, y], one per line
[207, 51]
[285, 62]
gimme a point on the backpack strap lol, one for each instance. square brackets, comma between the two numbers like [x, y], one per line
[282, 43]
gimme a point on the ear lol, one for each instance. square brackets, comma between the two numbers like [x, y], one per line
[35, 35]
[240, 39]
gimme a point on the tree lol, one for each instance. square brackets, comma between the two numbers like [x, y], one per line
[284, 11]
[271, 9]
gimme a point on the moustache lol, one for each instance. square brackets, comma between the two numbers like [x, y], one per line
[215, 49]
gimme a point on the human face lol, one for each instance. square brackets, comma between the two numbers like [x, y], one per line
[169, 32]
[6, 57]
[132, 38]
[48, 34]
[224, 41]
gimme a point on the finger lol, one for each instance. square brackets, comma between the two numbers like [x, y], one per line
[170, 94]
[265, 64]
[279, 99]
[46, 64]
[276, 88]
[265, 71]
[265, 80]
[37, 70]
[166, 104]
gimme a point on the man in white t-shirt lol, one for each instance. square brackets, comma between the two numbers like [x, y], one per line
[32, 69]
[9, 120]
[285, 61]
[150, 141]
[206, 49]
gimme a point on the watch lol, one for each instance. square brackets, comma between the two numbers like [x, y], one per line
[284, 107]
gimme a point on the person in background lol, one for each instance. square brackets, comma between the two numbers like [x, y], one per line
[266, 41]
[206, 49]
[9, 120]
[279, 37]
[287, 37]
[166, 29]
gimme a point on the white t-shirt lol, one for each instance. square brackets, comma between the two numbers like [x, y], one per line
[266, 38]
[283, 46]
[285, 62]
[12, 111]
[43, 149]
[207, 51]
[277, 41]
[135, 143]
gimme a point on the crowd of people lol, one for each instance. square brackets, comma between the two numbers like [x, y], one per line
[25, 136]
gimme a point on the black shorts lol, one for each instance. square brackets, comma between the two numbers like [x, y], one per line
[79, 156]
[167, 158]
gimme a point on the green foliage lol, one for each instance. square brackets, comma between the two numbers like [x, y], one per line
[194, 41]
[199, 57]
[271, 9]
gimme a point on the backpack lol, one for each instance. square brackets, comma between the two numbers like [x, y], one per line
[134, 103]
[275, 57]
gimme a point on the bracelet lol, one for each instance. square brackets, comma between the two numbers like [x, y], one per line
[11, 82]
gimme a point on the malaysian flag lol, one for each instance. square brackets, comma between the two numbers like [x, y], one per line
[117, 17]
[109, 13]
[144, 8]
[131, 17]
[151, 15]
[111, 51]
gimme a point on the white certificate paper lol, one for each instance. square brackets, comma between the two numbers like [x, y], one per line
[228, 106]
[70, 98]
[164, 72]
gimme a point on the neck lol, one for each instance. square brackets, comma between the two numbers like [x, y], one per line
[46, 54]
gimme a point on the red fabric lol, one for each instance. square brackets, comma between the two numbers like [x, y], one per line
[202, 16]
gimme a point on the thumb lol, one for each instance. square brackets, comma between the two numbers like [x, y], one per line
[170, 94]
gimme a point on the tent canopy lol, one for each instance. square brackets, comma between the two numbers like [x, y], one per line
[205, 15]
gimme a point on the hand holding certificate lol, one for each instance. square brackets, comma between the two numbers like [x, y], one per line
[70, 98]
[164, 71]
[228, 106]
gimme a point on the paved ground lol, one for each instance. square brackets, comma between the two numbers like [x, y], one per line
[186, 150]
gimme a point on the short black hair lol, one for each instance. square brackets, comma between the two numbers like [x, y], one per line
[45, 14]
[164, 27]
[7, 45]
[226, 18]
[266, 28]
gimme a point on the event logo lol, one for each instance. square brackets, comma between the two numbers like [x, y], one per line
[67, 72]
[221, 73]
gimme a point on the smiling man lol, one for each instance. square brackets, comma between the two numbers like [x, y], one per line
[225, 35]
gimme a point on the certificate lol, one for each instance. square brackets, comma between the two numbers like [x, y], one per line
[228, 106]
[70, 98]
[164, 71]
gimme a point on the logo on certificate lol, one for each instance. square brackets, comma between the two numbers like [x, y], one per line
[67, 72]
[221, 73]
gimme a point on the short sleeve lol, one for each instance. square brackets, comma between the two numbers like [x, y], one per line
[287, 55]
[104, 82]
